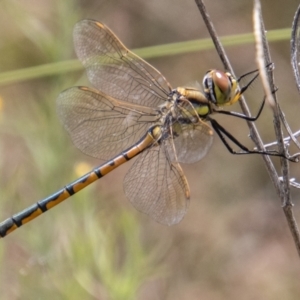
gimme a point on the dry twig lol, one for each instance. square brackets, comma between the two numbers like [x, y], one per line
[282, 187]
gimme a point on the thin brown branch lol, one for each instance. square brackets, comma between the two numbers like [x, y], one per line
[282, 189]
[263, 58]
[295, 38]
[253, 130]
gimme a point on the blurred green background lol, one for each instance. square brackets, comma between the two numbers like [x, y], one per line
[234, 242]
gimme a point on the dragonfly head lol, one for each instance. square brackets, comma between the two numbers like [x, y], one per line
[221, 88]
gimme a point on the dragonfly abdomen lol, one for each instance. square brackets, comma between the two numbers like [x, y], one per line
[150, 138]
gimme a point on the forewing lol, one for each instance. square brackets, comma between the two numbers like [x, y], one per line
[116, 71]
[157, 187]
[99, 125]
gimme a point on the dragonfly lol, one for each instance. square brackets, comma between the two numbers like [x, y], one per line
[133, 111]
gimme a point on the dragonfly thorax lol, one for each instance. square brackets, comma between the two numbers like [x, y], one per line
[193, 101]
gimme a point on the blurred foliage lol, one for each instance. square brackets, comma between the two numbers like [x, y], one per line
[233, 243]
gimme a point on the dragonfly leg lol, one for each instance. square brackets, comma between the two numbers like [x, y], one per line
[223, 134]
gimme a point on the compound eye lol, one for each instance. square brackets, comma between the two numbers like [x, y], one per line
[222, 87]
[222, 81]
[219, 87]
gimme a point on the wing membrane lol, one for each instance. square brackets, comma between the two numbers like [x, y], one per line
[191, 142]
[115, 70]
[99, 125]
[157, 187]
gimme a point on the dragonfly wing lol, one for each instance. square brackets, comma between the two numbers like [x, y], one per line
[99, 125]
[115, 70]
[157, 187]
[191, 142]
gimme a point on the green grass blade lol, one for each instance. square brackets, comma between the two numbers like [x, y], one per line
[147, 53]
